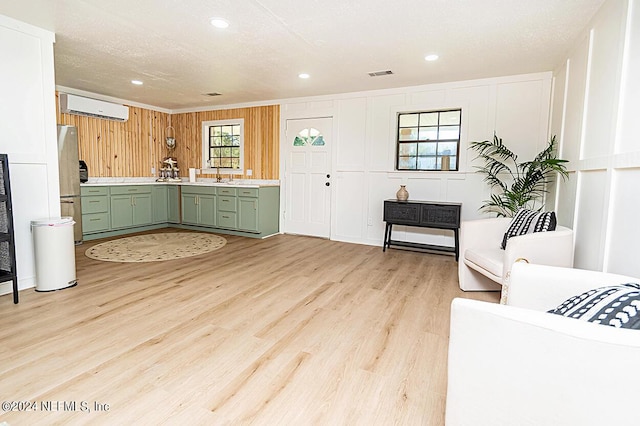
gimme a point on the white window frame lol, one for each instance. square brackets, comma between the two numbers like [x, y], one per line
[206, 168]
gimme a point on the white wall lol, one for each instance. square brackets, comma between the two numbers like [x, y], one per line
[516, 107]
[28, 133]
[599, 91]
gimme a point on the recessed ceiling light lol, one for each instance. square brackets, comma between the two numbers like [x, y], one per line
[136, 82]
[431, 57]
[219, 23]
[304, 75]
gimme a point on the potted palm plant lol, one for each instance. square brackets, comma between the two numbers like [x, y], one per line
[516, 184]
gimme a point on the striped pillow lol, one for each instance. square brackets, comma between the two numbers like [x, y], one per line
[529, 221]
[616, 305]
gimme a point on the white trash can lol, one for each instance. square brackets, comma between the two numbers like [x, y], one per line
[55, 255]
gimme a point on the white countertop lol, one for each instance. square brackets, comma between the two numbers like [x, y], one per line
[240, 183]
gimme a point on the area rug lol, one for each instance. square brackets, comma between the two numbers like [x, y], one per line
[156, 247]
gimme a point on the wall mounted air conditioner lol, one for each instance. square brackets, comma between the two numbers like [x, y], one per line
[73, 104]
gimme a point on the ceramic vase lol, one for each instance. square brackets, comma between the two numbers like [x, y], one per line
[402, 194]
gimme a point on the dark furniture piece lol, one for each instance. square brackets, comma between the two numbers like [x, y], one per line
[423, 214]
[7, 241]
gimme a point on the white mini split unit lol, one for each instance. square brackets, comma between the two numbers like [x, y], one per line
[78, 105]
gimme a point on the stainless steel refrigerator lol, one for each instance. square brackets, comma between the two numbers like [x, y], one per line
[69, 167]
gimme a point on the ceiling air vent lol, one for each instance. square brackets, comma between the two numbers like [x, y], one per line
[213, 94]
[380, 73]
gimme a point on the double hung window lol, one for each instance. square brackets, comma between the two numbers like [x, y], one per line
[223, 145]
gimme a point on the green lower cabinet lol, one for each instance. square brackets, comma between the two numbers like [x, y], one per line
[160, 200]
[268, 210]
[142, 212]
[227, 220]
[95, 209]
[227, 207]
[190, 209]
[95, 222]
[121, 209]
[199, 206]
[95, 204]
[173, 199]
[207, 207]
[248, 214]
[129, 210]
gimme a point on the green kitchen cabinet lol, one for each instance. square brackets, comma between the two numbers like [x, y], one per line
[130, 206]
[173, 198]
[111, 210]
[227, 208]
[142, 211]
[95, 209]
[160, 204]
[228, 191]
[189, 208]
[248, 209]
[268, 210]
[207, 206]
[199, 205]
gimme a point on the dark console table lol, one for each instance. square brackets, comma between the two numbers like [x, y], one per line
[423, 214]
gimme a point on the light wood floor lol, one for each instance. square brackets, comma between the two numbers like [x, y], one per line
[284, 331]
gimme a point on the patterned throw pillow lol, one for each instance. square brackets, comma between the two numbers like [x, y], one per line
[529, 221]
[616, 305]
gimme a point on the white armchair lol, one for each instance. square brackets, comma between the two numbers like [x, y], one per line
[519, 365]
[484, 266]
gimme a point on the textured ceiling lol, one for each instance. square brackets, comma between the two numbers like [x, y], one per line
[101, 45]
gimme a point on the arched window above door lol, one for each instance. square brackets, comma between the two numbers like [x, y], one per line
[309, 136]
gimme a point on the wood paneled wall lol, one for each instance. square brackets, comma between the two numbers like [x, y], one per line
[261, 138]
[131, 148]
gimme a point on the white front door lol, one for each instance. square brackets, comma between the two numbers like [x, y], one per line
[308, 177]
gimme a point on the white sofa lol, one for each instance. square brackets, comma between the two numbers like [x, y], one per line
[484, 266]
[516, 364]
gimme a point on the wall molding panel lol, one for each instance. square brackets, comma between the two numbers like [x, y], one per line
[600, 127]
